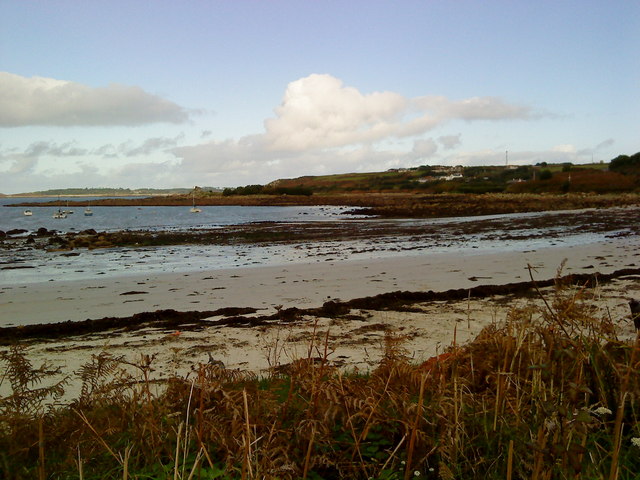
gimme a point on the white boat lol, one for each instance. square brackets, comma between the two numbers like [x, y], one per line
[60, 214]
[27, 213]
[195, 209]
[88, 212]
[68, 212]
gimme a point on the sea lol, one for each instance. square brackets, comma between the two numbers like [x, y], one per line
[151, 218]
[25, 266]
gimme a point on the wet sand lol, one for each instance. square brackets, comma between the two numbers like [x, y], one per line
[301, 285]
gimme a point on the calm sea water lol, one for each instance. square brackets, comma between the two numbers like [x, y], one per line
[152, 218]
[38, 265]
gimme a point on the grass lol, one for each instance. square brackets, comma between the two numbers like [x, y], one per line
[547, 394]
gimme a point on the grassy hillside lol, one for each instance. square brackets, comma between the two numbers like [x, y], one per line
[621, 175]
[592, 178]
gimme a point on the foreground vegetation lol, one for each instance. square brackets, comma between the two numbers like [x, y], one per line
[548, 394]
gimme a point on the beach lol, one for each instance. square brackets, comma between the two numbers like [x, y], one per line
[354, 339]
[302, 285]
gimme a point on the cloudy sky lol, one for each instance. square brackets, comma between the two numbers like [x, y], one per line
[124, 93]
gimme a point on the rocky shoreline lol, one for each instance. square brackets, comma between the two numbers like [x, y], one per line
[621, 220]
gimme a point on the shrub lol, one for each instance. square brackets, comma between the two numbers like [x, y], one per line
[626, 164]
[548, 393]
[545, 174]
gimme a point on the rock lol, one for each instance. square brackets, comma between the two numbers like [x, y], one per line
[57, 240]
[89, 231]
[43, 232]
[16, 231]
[30, 239]
[2, 234]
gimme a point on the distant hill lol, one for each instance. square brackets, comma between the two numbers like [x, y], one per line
[111, 192]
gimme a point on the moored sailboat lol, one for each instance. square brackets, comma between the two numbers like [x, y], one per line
[195, 209]
[60, 213]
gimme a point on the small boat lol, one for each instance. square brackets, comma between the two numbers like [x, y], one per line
[27, 213]
[60, 213]
[195, 209]
[68, 212]
[88, 212]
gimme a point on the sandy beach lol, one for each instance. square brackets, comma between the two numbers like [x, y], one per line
[355, 340]
[301, 285]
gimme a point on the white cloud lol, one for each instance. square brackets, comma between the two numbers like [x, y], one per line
[47, 101]
[475, 108]
[237, 156]
[22, 164]
[323, 126]
[319, 112]
[564, 148]
[320, 127]
[152, 145]
[25, 162]
[67, 149]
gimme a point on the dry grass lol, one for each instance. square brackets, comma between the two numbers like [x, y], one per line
[549, 394]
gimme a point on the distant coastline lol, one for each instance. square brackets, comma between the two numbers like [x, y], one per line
[85, 195]
[109, 192]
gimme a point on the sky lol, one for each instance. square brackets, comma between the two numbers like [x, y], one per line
[161, 94]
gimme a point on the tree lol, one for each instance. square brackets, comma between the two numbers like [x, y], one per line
[626, 164]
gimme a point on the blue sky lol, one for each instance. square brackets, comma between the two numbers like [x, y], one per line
[226, 93]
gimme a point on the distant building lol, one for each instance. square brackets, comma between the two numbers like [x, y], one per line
[453, 176]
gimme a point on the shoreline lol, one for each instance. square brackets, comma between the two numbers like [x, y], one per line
[353, 333]
[301, 285]
[243, 338]
[252, 317]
